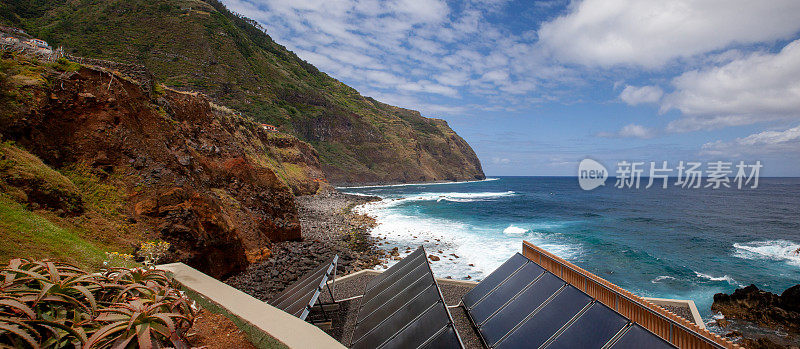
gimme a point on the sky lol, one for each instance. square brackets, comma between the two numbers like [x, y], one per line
[536, 86]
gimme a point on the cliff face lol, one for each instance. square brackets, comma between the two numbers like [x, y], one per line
[199, 45]
[185, 170]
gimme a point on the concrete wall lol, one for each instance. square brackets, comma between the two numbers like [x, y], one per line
[267, 326]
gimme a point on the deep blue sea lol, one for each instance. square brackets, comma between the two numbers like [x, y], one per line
[670, 243]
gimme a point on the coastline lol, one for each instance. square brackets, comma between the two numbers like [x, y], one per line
[329, 226]
[376, 185]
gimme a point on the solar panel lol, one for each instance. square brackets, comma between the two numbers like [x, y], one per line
[537, 329]
[593, 329]
[447, 338]
[504, 292]
[413, 259]
[393, 291]
[521, 305]
[518, 309]
[495, 278]
[300, 297]
[403, 308]
[638, 337]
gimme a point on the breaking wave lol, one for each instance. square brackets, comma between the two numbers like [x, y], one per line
[725, 278]
[776, 250]
[415, 184]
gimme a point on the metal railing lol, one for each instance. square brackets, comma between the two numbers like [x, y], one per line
[667, 325]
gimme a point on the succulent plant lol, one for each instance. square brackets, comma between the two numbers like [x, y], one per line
[47, 304]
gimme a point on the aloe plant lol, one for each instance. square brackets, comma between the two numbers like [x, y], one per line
[46, 304]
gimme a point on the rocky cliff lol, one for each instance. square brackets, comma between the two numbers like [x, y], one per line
[763, 309]
[94, 148]
[200, 45]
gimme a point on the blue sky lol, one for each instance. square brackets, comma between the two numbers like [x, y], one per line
[536, 86]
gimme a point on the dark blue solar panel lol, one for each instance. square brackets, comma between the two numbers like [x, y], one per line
[638, 337]
[548, 320]
[379, 300]
[410, 261]
[404, 309]
[593, 329]
[298, 298]
[504, 292]
[382, 320]
[388, 327]
[421, 330]
[446, 339]
[514, 312]
[494, 279]
[383, 310]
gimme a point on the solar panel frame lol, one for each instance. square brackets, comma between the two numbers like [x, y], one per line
[399, 266]
[392, 291]
[505, 292]
[520, 308]
[552, 320]
[598, 320]
[636, 336]
[301, 296]
[400, 327]
[494, 279]
[558, 311]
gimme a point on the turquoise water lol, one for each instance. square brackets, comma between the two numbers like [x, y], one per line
[669, 243]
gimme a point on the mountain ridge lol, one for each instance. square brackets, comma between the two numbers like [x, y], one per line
[200, 45]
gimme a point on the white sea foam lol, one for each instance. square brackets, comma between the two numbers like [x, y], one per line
[485, 249]
[776, 250]
[416, 184]
[514, 230]
[725, 278]
[662, 278]
[439, 197]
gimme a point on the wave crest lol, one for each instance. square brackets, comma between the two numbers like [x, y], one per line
[514, 230]
[725, 278]
[776, 250]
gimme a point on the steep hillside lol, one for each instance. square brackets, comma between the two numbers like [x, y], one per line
[91, 163]
[199, 45]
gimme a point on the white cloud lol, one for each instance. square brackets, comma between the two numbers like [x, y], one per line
[638, 95]
[758, 87]
[630, 131]
[501, 161]
[431, 48]
[651, 33]
[763, 143]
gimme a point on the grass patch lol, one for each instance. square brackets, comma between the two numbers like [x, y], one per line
[65, 65]
[30, 235]
[100, 197]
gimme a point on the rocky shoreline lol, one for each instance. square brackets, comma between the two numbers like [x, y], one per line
[328, 227]
[760, 319]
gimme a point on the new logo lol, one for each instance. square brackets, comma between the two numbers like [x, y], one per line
[591, 174]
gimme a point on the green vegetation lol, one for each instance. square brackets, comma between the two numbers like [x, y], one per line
[33, 235]
[53, 305]
[63, 64]
[101, 197]
[29, 180]
[240, 66]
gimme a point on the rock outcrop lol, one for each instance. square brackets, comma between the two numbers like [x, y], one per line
[193, 174]
[762, 308]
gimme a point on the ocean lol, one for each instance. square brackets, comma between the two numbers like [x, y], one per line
[668, 243]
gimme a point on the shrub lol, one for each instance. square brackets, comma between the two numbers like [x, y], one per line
[46, 304]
